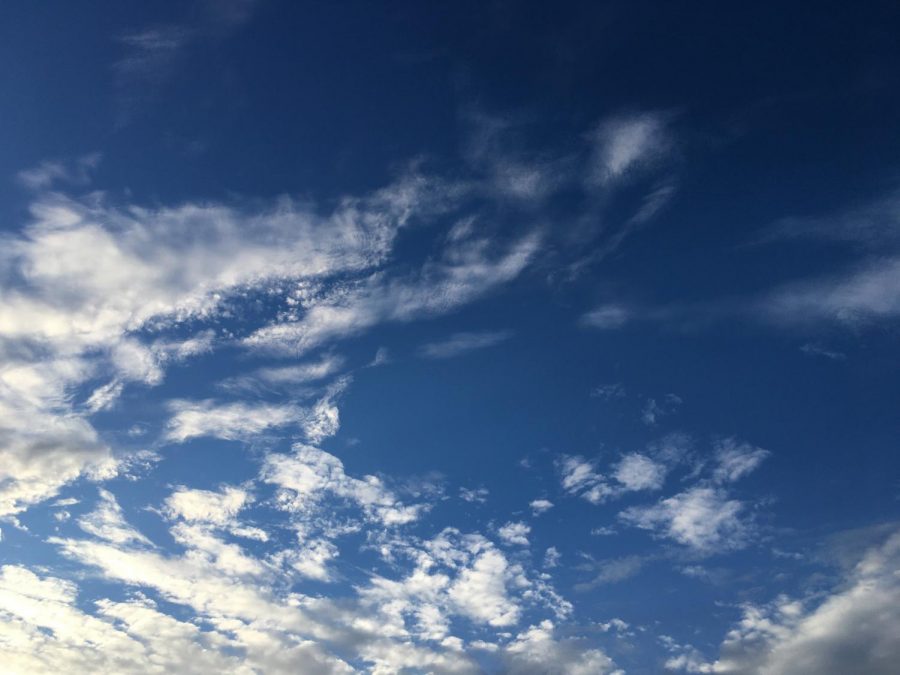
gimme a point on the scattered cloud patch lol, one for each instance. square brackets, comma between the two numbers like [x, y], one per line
[462, 343]
[539, 506]
[629, 143]
[474, 495]
[735, 459]
[607, 317]
[515, 533]
[608, 392]
[849, 629]
[638, 472]
[703, 519]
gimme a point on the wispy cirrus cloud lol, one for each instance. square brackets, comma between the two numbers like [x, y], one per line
[462, 343]
[49, 172]
[151, 55]
[112, 319]
[468, 270]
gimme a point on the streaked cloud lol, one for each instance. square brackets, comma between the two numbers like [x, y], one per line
[461, 343]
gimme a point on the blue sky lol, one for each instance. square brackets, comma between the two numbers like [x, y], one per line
[496, 337]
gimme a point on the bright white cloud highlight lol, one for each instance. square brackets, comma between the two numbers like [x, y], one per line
[701, 518]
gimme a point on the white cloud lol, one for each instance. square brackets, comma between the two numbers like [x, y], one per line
[455, 575]
[865, 294]
[43, 630]
[311, 558]
[603, 531]
[608, 392]
[539, 506]
[515, 533]
[37, 460]
[104, 397]
[244, 618]
[107, 522]
[628, 143]
[68, 317]
[813, 349]
[243, 420]
[228, 421]
[467, 270]
[180, 350]
[734, 460]
[461, 343]
[48, 172]
[638, 472]
[607, 317]
[480, 590]
[873, 224]
[851, 630]
[538, 650]
[701, 518]
[613, 571]
[308, 474]
[284, 378]
[579, 476]
[552, 557]
[654, 410]
[205, 506]
[474, 495]
[324, 419]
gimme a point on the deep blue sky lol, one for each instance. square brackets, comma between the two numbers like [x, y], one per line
[449, 337]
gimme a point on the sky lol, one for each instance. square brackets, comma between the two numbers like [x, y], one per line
[471, 337]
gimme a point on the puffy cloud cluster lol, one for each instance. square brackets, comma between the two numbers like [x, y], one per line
[852, 629]
[705, 517]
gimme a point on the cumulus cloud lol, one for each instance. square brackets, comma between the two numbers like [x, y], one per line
[579, 476]
[851, 630]
[539, 506]
[634, 471]
[218, 508]
[552, 556]
[638, 472]
[235, 596]
[44, 629]
[515, 533]
[701, 518]
[308, 474]
[538, 650]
